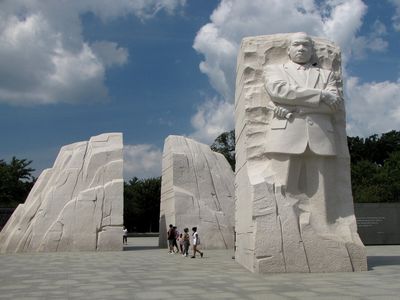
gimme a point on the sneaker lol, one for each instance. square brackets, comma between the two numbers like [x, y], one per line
[193, 257]
[201, 254]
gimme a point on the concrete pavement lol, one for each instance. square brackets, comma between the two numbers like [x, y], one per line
[147, 272]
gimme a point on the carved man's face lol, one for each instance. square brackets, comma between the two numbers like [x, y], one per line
[300, 49]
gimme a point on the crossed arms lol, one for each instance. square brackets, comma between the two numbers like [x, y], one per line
[322, 99]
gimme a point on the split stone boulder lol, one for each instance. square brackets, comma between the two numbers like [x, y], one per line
[197, 190]
[77, 205]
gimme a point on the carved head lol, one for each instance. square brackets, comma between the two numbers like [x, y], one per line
[301, 48]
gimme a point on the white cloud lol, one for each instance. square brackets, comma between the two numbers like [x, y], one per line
[44, 57]
[343, 22]
[144, 9]
[374, 107]
[109, 53]
[374, 41]
[219, 40]
[212, 118]
[142, 161]
[396, 17]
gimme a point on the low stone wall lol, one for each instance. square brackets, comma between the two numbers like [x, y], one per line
[378, 223]
[143, 234]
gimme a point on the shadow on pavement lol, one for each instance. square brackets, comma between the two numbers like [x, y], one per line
[376, 261]
[136, 248]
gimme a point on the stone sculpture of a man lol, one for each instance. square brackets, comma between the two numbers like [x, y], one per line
[305, 97]
[294, 209]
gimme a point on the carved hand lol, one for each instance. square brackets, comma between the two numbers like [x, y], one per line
[282, 112]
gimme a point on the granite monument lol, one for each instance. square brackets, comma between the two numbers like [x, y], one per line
[77, 205]
[294, 208]
[197, 190]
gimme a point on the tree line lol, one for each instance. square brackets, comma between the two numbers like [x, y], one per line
[142, 204]
[375, 176]
[16, 181]
[375, 167]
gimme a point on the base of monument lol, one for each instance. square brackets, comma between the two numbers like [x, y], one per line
[285, 238]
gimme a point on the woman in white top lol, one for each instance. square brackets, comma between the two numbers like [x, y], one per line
[125, 236]
[196, 242]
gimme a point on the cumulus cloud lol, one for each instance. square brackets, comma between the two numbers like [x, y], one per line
[212, 118]
[374, 41]
[44, 57]
[374, 107]
[343, 22]
[109, 53]
[396, 17]
[144, 9]
[219, 40]
[142, 161]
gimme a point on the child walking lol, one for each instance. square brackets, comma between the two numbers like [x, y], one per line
[196, 243]
[186, 242]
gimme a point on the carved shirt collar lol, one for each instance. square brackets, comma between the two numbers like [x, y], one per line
[300, 67]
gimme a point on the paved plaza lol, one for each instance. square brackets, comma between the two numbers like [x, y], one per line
[144, 271]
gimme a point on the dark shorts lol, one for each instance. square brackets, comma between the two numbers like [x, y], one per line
[170, 243]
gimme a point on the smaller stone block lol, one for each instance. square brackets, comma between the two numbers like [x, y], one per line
[197, 190]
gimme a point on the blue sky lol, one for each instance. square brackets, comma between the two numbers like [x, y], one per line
[150, 68]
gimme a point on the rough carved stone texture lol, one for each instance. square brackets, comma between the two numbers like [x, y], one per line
[75, 206]
[197, 190]
[278, 231]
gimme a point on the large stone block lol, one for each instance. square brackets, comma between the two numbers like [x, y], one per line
[294, 207]
[75, 206]
[197, 190]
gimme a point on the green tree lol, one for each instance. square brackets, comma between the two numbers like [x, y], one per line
[374, 148]
[357, 149]
[366, 188]
[16, 181]
[387, 144]
[373, 182]
[375, 167]
[142, 204]
[225, 144]
[390, 177]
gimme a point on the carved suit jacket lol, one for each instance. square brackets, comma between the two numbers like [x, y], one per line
[299, 91]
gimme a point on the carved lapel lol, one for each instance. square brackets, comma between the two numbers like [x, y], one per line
[312, 78]
[312, 75]
[291, 71]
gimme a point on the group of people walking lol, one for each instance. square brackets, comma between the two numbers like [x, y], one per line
[181, 241]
